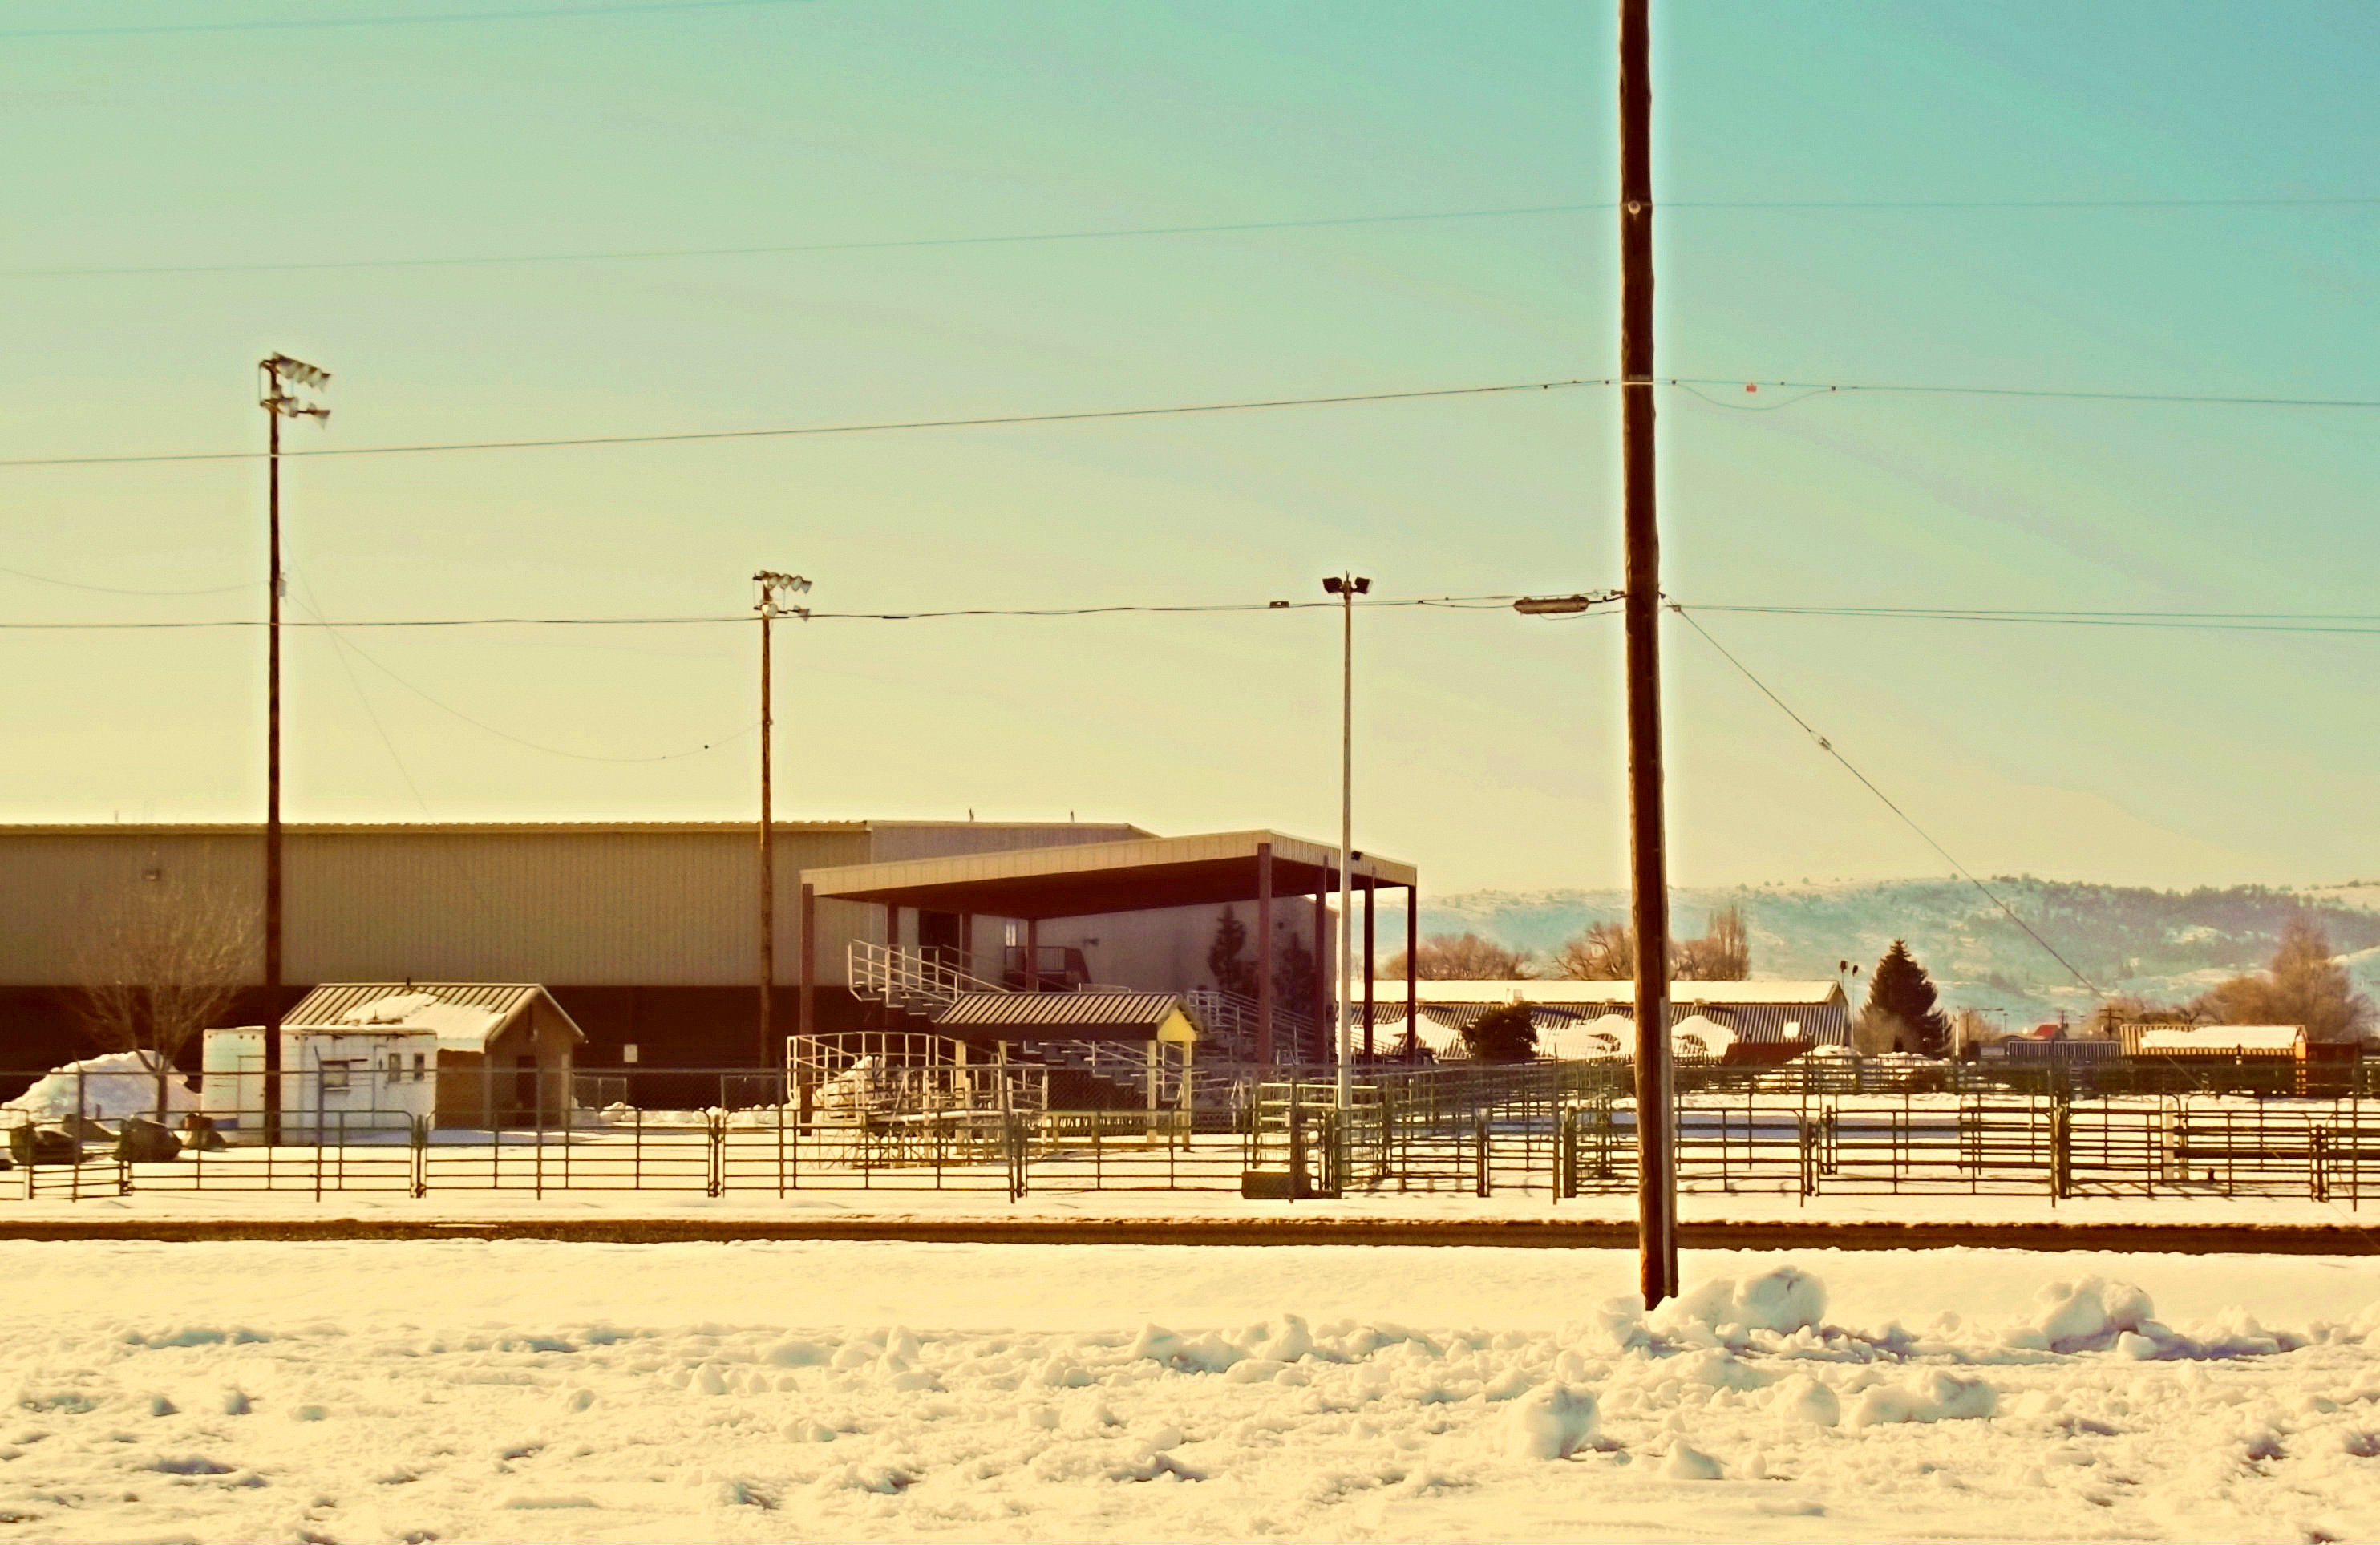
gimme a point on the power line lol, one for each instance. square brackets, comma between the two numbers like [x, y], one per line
[2201, 622]
[1178, 410]
[661, 254]
[333, 23]
[120, 590]
[1444, 603]
[1829, 746]
[669, 253]
[350, 645]
[1808, 389]
[2351, 201]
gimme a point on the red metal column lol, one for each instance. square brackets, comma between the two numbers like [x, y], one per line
[809, 959]
[1324, 999]
[1370, 884]
[1032, 955]
[1413, 954]
[1264, 953]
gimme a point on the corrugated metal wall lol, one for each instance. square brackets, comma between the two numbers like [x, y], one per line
[593, 906]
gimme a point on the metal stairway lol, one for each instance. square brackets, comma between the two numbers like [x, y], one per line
[922, 984]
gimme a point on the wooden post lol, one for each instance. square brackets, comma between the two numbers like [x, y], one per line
[272, 764]
[1370, 884]
[768, 855]
[1264, 954]
[1657, 1188]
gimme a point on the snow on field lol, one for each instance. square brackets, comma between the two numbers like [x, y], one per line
[529, 1391]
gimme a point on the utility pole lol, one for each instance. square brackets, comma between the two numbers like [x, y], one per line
[279, 372]
[1346, 588]
[773, 587]
[1656, 1182]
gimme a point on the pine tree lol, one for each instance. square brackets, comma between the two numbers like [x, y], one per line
[1902, 999]
[1505, 1033]
[1232, 972]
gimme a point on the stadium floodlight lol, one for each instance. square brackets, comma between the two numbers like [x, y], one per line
[774, 588]
[1346, 588]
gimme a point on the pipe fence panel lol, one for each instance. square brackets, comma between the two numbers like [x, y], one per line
[1561, 1131]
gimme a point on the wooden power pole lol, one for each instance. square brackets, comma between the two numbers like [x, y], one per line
[1656, 1183]
[772, 587]
[279, 372]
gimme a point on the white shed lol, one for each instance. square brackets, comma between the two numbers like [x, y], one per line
[364, 1056]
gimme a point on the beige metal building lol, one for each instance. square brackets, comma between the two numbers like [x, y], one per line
[646, 932]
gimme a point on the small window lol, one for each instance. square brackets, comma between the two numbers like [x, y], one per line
[420, 1066]
[335, 1076]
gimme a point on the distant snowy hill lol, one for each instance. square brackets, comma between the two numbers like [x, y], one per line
[2165, 946]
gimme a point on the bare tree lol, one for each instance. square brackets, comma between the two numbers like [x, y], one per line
[2305, 985]
[1463, 957]
[1606, 952]
[157, 968]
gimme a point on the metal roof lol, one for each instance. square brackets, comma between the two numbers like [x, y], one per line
[2219, 1039]
[1082, 880]
[331, 1005]
[1558, 992]
[1061, 1015]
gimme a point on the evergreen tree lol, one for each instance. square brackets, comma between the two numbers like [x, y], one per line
[1231, 970]
[1902, 999]
[1506, 1033]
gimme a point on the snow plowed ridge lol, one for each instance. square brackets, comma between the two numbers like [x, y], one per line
[463, 1394]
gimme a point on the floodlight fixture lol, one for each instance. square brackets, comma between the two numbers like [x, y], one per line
[1352, 585]
[774, 588]
[1551, 605]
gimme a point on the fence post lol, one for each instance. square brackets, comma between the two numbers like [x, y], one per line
[715, 1130]
[1480, 1149]
[2061, 1156]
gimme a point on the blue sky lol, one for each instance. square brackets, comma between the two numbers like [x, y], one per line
[1489, 744]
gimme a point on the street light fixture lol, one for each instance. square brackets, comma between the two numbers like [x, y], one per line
[1346, 588]
[1551, 605]
[774, 588]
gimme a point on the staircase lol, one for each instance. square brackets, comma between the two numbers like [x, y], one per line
[1087, 1073]
[908, 981]
[1230, 1020]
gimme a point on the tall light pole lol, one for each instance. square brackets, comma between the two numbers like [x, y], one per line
[1346, 588]
[773, 588]
[281, 372]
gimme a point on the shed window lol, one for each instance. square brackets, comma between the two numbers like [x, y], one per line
[335, 1076]
[420, 1066]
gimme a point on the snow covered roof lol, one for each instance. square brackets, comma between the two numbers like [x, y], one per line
[464, 1015]
[2224, 1038]
[1562, 992]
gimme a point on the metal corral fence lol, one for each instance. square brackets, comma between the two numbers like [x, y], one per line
[1559, 1129]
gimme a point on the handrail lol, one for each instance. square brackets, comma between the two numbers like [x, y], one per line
[880, 970]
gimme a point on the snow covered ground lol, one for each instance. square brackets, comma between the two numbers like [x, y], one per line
[527, 1391]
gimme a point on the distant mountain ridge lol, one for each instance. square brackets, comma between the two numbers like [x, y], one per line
[2165, 946]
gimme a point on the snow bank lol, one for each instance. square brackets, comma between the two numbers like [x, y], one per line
[524, 1392]
[1781, 1302]
[1552, 1421]
[1931, 1396]
[110, 1087]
